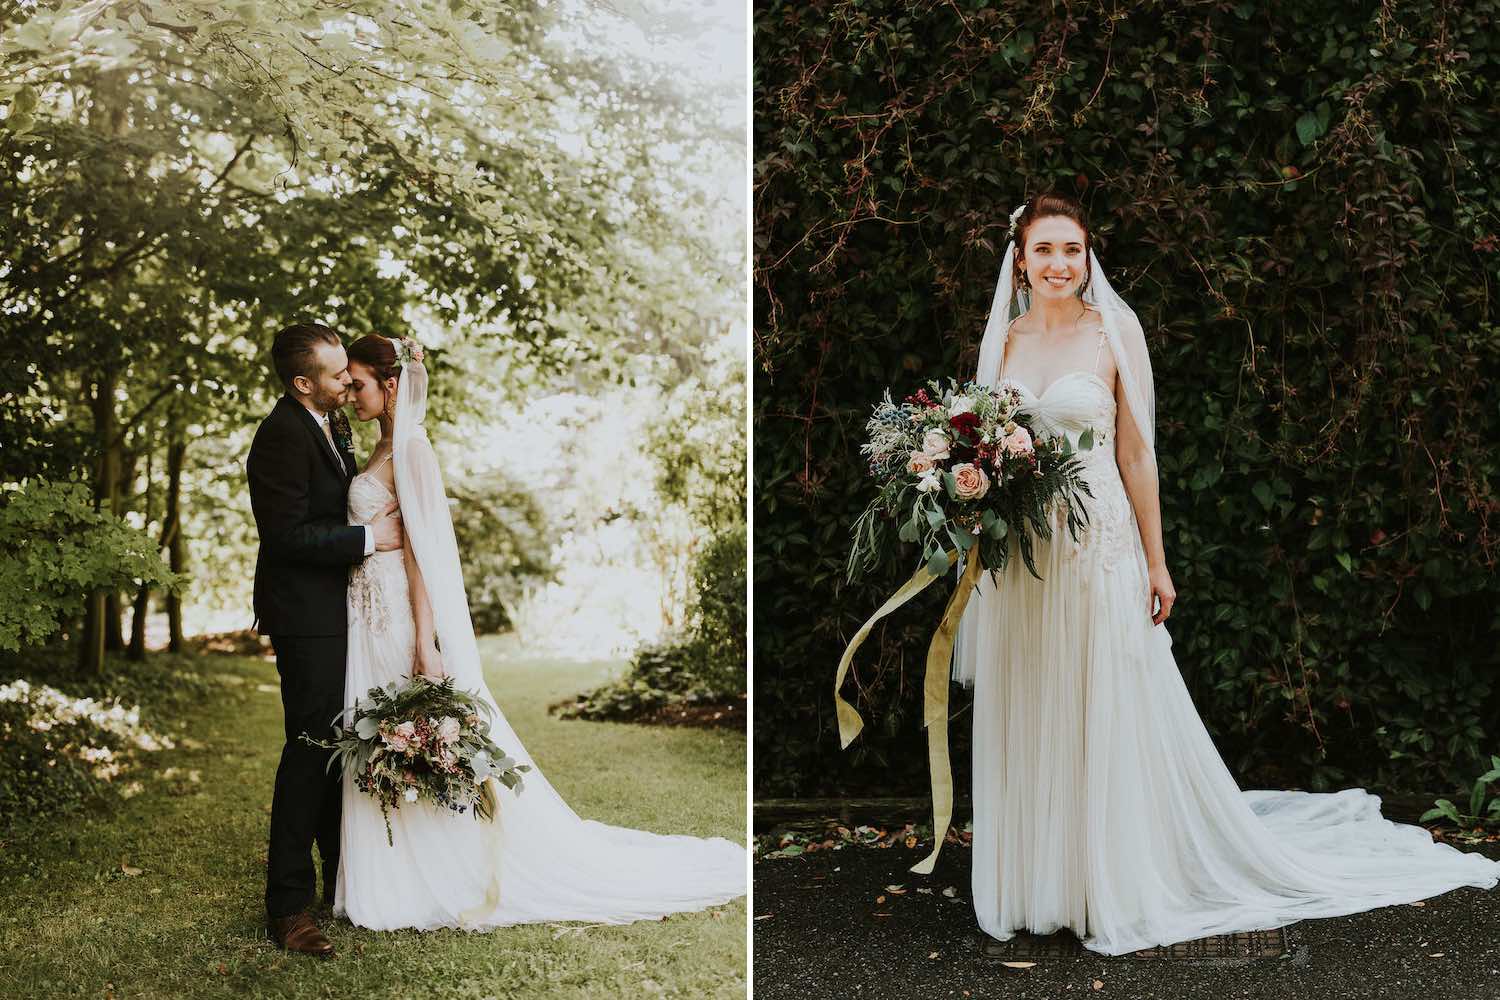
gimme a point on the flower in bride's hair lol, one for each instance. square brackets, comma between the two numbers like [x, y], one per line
[970, 482]
[408, 351]
[1015, 218]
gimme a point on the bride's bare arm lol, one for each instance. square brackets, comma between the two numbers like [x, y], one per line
[428, 661]
[1138, 473]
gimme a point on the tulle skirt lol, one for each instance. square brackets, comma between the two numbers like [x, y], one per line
[1101, 803]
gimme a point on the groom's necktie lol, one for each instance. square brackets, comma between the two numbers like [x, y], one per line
[327, 422]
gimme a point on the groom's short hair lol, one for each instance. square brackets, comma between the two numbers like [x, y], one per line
[294, 351]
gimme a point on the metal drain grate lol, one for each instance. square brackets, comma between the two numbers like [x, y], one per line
[1244, 946]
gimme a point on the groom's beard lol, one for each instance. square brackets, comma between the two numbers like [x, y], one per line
[327, 402]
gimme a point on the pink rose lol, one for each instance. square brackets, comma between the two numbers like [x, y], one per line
[919, 464]
[970, 482]
[448, 730]
[1018, 443]
[400, 738]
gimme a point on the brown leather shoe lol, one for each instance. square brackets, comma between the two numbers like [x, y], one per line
[298, 933]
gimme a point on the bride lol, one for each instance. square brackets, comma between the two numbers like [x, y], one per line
[537, 861]
[1100, 802]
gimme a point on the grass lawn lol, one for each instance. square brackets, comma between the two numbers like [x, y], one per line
[78, 921]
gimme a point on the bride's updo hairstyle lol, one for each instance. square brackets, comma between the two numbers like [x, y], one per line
[379, 353]
[1043, 207]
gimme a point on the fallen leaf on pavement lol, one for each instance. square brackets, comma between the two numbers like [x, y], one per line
[1018, 965]
[1098, 984]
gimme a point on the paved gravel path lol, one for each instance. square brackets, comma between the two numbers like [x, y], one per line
[820, 933]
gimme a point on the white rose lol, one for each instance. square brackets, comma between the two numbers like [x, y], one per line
[935, 443]
[960, 404]
[448, 729]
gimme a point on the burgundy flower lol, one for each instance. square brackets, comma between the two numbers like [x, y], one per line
[965, 423]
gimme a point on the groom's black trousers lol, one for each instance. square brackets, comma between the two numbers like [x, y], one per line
[306, 806]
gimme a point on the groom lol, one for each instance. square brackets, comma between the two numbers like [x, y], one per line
[299, 472]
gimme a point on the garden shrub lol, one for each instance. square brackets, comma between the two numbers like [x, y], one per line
[54, 549]
[705, 663]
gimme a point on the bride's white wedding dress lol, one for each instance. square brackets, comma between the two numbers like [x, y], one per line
[1100, 802]
[538, 861]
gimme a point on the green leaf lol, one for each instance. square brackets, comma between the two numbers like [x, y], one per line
[1476, 797]
[938, 564]
[1263, 493]
[1345, 561]
[908, 532]
[1086, 440]
[997, 529]
[936, 517]
[1309, 128]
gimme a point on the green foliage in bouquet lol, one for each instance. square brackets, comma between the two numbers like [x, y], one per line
[960, 466]
[423, 740]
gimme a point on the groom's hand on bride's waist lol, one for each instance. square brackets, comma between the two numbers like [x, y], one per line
[387, 529]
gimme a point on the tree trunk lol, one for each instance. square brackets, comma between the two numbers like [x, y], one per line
[142, 605]
[172, 527]
[106, 497]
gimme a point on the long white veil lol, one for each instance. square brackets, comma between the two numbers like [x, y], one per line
[1127, 343]
[546, 863]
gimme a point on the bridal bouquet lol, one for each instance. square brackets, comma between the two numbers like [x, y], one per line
[959, 464]
[423, 740]
[955, 464]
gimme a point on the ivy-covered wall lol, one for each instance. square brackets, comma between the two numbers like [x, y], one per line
[1300, 202]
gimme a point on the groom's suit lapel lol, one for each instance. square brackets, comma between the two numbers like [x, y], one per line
[310, 422]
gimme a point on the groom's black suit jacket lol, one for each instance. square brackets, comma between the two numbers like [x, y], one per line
[298, 494]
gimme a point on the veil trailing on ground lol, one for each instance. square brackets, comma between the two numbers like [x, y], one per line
[1127, 343]
[546, 863]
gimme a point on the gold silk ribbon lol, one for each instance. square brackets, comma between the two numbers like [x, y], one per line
[934, 689]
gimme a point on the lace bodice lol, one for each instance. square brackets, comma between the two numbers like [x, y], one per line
[377, 586]
[1072, 404]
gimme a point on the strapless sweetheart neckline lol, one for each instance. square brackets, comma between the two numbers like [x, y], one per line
[1053, 384]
